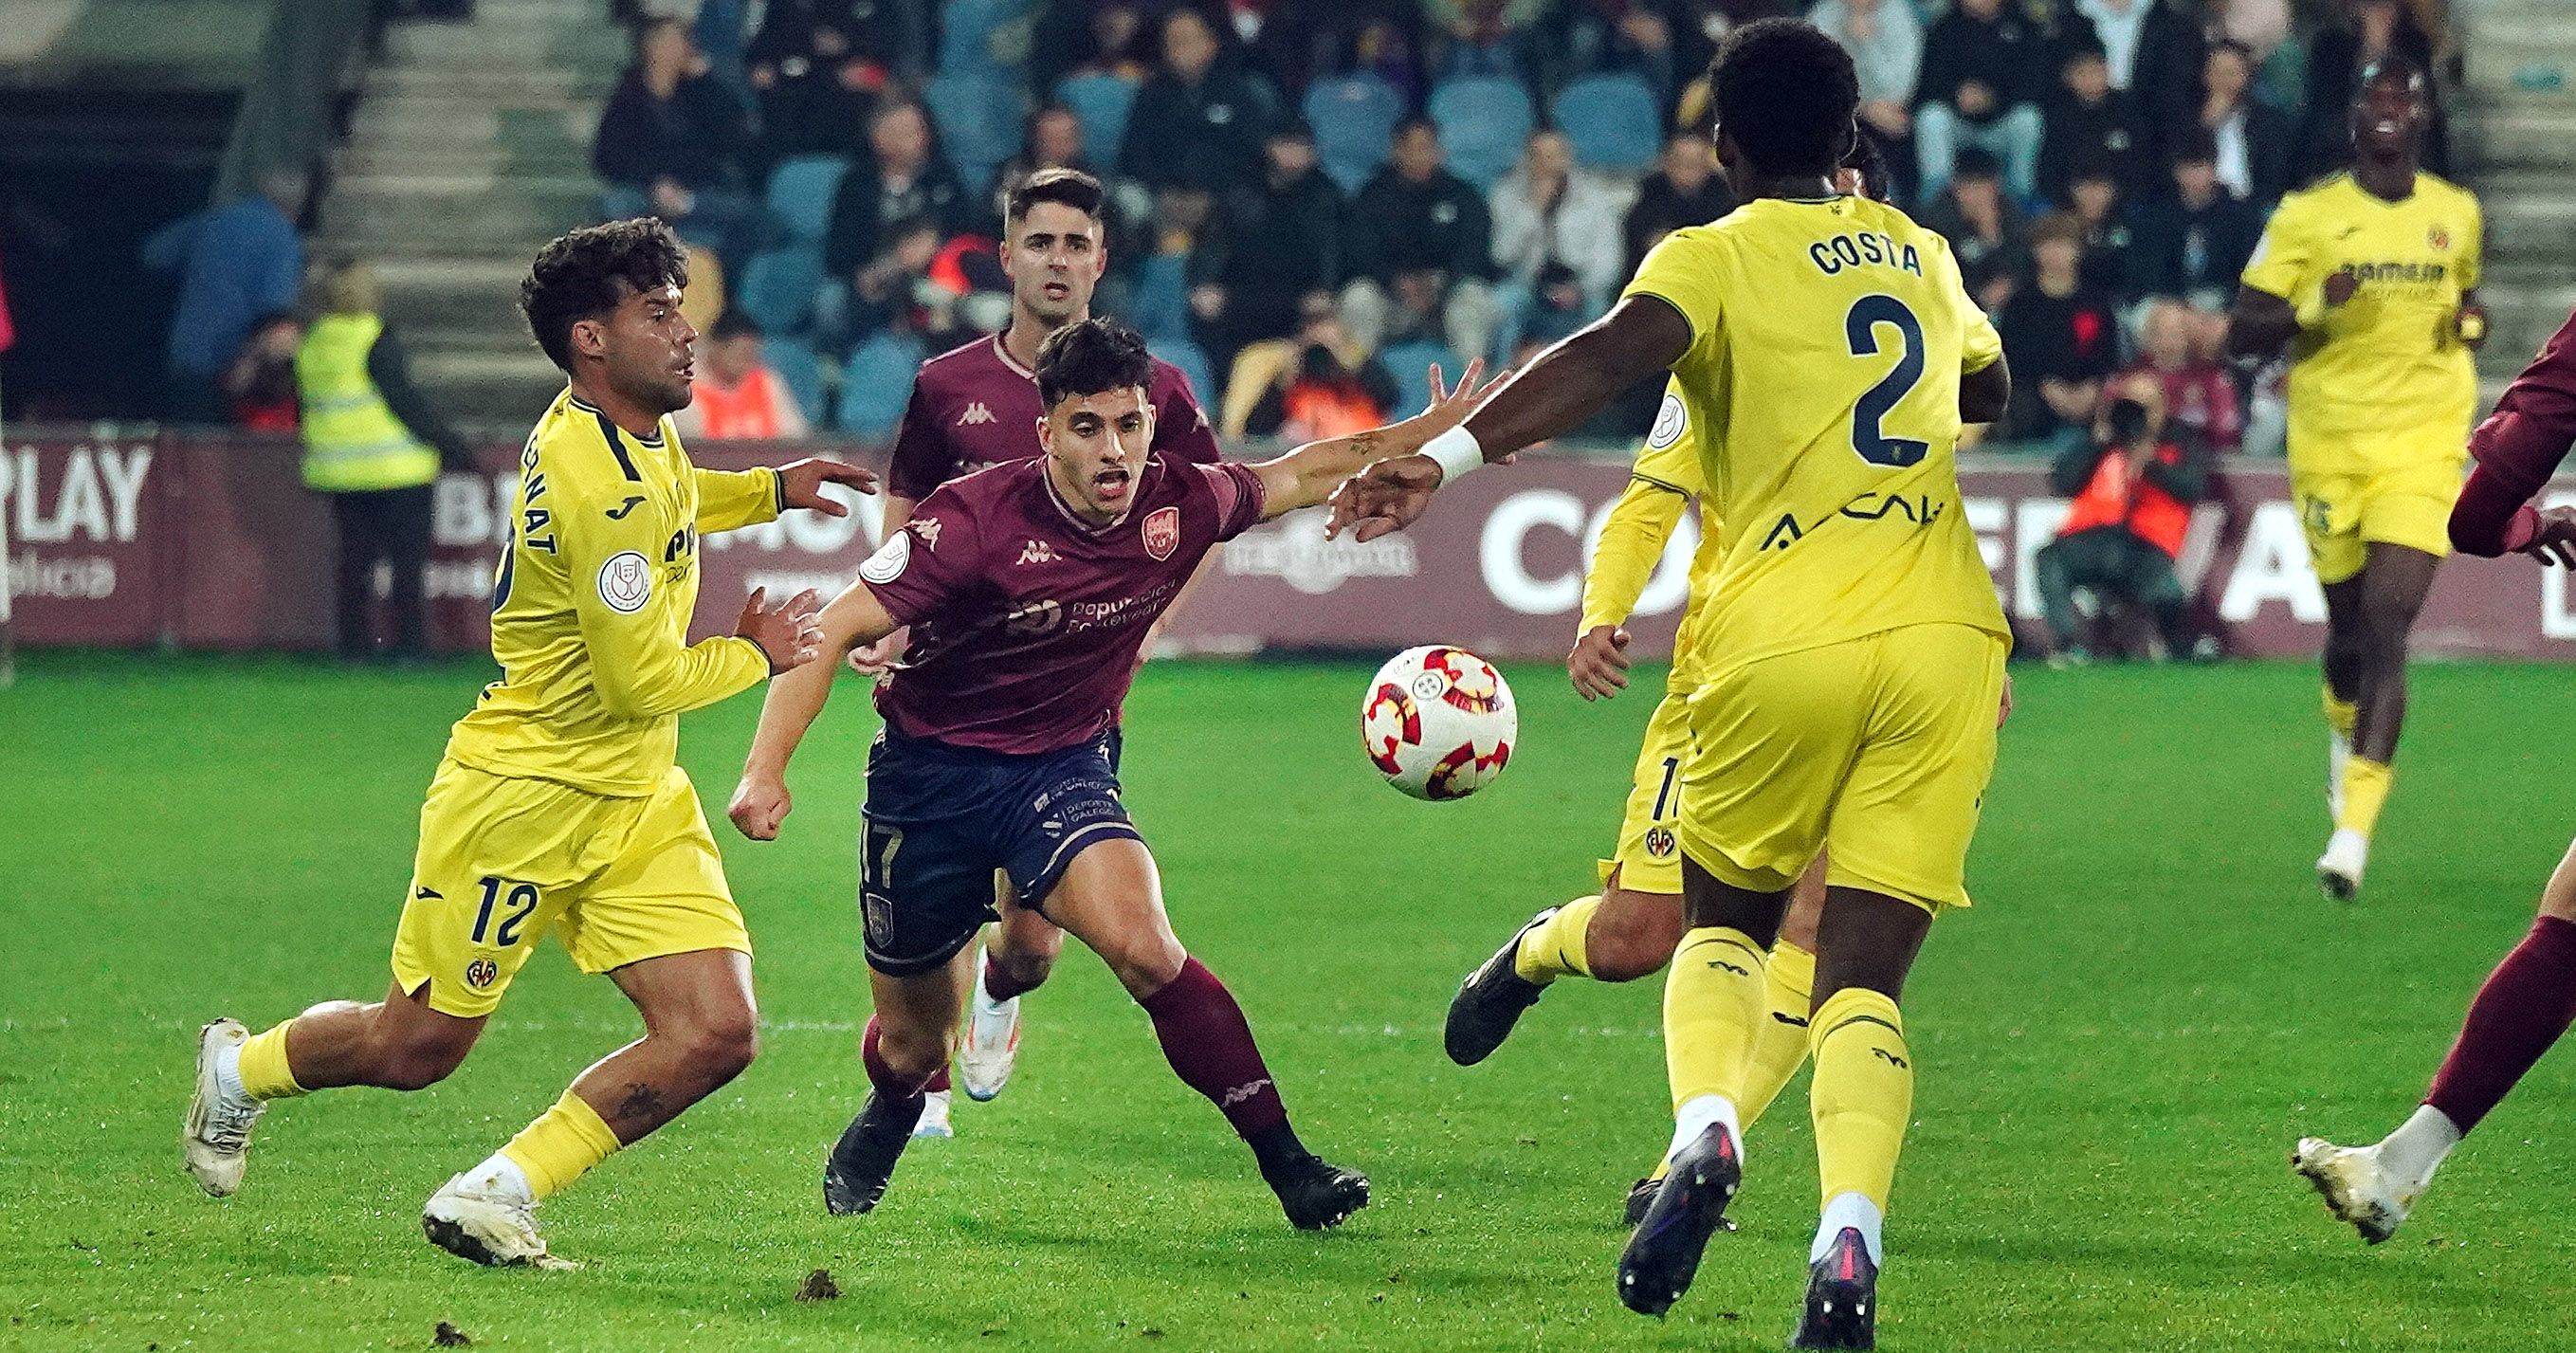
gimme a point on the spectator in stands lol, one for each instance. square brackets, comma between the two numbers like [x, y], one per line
[1485, 37]
[670, 145]
[2088, 120]
[2255, 141]
[2193, 241]
[1984, 228]
[235, 263]
[375, 446]
[1159, 304]
[259, 387]
[1053, 140]
[1325, 388]
[1546, 211]
[2199, 398]
[2094, 198]
[1272, 249]
[1200, 121]
[1685, 189]
[2370, 29]
[2133, 489]
[2258, 26]
[884, 292]
[736, 396]
[2062, 334]
[1885, 39]
[2154, 49]
[817, 65]
[901, 178]
[1421, 251]
[1592, 37]
[1102, 37]
[1976, 90]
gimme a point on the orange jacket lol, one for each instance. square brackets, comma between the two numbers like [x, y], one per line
[2116, 497]
[746, 412]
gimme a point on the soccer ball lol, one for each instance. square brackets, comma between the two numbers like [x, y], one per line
[1438, 722]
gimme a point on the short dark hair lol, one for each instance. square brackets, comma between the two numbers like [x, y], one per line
[585, 274]
[1410, 123]
[734, 323]
[1090, 357]
[2194, 144]
[1976, 162]
[1786, 94]
[1064, 187]
[2083, 49]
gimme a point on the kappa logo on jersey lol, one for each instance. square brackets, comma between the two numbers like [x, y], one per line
[1670, 421]
[976, 415]
[888, 563]
[928, 529]
[1162, 532]
[625, 582]
[1038, 552]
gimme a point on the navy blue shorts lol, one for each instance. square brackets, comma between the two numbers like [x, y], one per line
[940, 819]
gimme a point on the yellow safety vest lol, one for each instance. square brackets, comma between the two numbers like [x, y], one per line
[352, 441]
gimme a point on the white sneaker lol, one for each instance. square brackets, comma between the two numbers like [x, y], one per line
[214, 1140]
[2355, 1187]
[2338, 751]
[2339, 869]
[492, 1226]
[992, 1040]
[934, 1116]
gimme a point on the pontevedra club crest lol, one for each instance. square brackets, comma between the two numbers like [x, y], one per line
[1162, 532]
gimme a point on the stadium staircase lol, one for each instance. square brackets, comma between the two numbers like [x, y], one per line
[2517, 126]
[470, 147]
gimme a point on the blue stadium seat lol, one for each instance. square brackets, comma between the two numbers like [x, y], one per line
[799, 370]
[777, 288]
[1101, 103]
[800, 194]
[1354, 117]
[1410, 364]
[979, 124]
[875, 384]
[1158, 300]
[971, 31]
[1193, 362]
[1484, 122]
[1611, 121]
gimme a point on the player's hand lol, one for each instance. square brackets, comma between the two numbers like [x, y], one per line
[879, 658]
[1387, 496]
[2470, 325]
[800, 484]
[1599, 662]
[790, 633]
[759, 804]
[2555, 541]
[2342, 286]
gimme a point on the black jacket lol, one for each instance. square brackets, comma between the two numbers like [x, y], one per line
[861, 211]
[1662, 208]
[2176, 249]
[1282, 238]
[1205, 136]
[2110, 130]
[1402, 226]
[694, 137]
[2009, 53]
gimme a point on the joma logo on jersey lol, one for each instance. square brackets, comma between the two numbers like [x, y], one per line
[1865, 247]
[975, 416]
[1038, 552]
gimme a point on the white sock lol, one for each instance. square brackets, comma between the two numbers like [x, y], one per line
[501, 1176]
[228, 1081]
[2415, 1150]
[1853, 1210]
[1694, 1117]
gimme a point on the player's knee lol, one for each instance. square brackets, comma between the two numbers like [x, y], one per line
[724, 1043]
[1625, 955]
[1149, 964]
[915, 1054]
[1028, 968]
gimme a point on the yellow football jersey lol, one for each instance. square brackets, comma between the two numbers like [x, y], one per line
[2388, 359]
[1663, 481]
[591, 604]
[1822, 386]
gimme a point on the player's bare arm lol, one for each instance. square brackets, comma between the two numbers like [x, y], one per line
[1308, 475]
[1985, 394]
[2261, 325]
[760, 801]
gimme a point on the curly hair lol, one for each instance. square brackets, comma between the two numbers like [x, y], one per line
[1089, 357]
[585, 274]
[1786, 94]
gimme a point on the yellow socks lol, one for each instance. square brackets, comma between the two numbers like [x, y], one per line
[2340, 714]
[1862, 1096]
[2365, 791]
[561, 1145]
[1781, 1046]
[1713, 1006]
[1553, 948]
[264, 1072]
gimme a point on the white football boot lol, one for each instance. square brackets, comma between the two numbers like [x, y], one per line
[488, 1221]
[2357, 1189]
[934, 1116]
[2339, 869]
[214, 1140]
[992, 1041]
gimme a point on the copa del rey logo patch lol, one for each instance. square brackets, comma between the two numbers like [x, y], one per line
[1162, 532]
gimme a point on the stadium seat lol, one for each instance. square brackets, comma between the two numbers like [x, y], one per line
[778, 286]
[979, 124]
[800, 371]
[1158, 302]
[1612, 122]
[875, 384]
[974, 35]
[1354, 117]
[800, 194]
[1484, 121]
[1101, 103]
[1192, 361]
[1410, 364]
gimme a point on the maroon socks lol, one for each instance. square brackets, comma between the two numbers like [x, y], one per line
[1207, 1040]
[2527, 1002]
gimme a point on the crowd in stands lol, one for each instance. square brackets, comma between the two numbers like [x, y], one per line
[1313, 199]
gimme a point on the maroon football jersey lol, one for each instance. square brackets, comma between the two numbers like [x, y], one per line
[1026, 620]
[976, 407]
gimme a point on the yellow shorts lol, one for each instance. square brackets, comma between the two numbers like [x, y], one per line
[1875, 750]
[2344, 514]
[502, 859]
[1648, 857]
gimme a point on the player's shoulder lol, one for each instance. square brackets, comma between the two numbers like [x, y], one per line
[2329, 193]
[2441, 192]
[967, 361]
[580, 451]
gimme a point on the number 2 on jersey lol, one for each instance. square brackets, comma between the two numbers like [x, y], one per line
[1861, 328]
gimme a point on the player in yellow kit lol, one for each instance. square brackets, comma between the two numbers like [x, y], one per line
[1851, 648]
[558, 805]
[2369, 279]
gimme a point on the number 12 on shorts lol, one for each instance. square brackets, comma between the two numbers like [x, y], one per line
[515, 901]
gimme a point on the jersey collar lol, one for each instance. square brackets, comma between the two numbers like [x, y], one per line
[608, 423]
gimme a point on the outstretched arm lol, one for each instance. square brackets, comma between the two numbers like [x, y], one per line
[760, 801]
[1307, 476]
[1632, 543]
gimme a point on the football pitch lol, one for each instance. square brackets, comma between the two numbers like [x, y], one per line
[2118, 1044]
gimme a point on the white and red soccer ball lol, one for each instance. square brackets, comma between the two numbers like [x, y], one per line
[1438, 722]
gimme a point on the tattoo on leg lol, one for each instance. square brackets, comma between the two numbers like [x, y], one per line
[642, 1106]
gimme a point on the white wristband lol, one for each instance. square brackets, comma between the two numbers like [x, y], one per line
[1455, 452]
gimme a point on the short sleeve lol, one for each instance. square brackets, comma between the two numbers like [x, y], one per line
[1181, 428]
[1681, 272]
[1670, 457]
[1239, 498]
[930, 563]
[922, 459]
[2282, 257]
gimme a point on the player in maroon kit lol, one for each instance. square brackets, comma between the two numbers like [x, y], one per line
[2529, 1000]
[1029, 588]
[975, 407]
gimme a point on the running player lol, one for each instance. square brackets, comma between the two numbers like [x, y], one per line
[1030, 588]
[2528, 1002]
[2369, 280]
[1851, 646]
[558, 805]
[975, 407]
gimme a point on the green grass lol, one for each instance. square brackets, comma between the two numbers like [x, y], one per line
[2118, 1044]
